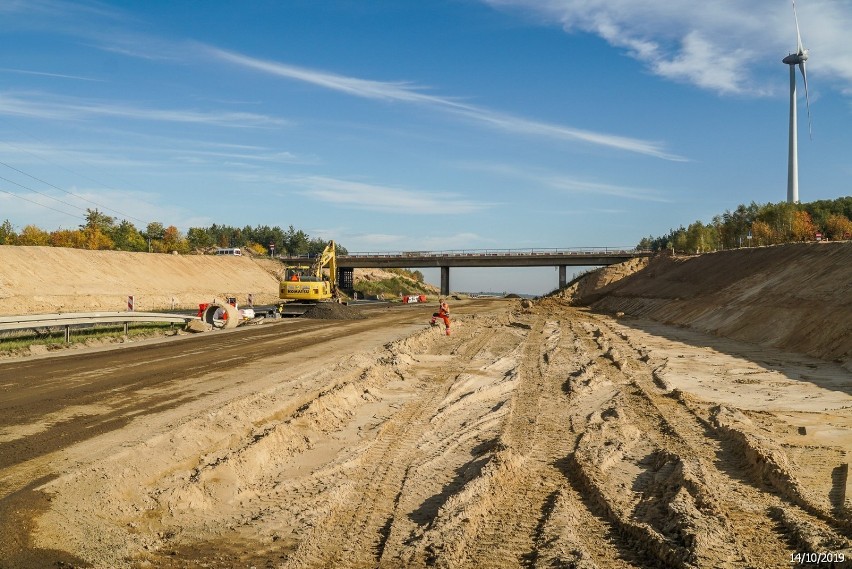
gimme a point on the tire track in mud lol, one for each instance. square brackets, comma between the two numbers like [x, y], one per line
[525, 480]
[521, 509]
[716, 511]
[498, 516]
[355, 531]
[529, 438]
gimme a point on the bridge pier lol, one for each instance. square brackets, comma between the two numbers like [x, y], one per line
[563, 276]
[445, 281]
[346, 279]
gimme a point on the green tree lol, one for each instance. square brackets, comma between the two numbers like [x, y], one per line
[98, 220]
[154, 233]
[7, 233]
[296, 242]
[199, 238]
[701, 238]
[127, 238]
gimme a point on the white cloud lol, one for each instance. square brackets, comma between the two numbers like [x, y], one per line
[457, 242]
[408, 93]
[698, 63]
[574, 185]
[40, 106]
[388, 91]
[45, 74]
[568, 184]
[360, 195]
[381, 239]
[372, 242]
[728, 46]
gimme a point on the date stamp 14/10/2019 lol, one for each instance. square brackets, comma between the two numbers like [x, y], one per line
[817, 558]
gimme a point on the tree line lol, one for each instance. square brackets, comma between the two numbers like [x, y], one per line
[760, 224]
[103, 232]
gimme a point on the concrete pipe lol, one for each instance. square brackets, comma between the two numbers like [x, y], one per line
[209, 315]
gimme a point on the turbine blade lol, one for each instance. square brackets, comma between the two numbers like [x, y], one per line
[798, 34]
[807, 98]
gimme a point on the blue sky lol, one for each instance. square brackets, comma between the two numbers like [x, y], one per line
[401, 125]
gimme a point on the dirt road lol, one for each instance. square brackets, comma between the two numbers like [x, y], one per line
[547, 437]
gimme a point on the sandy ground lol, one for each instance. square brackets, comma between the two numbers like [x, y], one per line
[40, 280]
[37, 280]
[548, 436]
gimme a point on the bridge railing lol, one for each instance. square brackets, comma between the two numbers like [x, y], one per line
[490, 252]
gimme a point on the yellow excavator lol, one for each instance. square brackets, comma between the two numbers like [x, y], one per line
[304, 286]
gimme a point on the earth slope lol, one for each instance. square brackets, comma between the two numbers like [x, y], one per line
[38, 280]
[795, 297]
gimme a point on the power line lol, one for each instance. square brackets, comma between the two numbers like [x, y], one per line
[39, 193]
[64, 191]
[64, 168]
[33, 201]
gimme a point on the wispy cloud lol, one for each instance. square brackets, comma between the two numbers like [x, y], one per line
[45, 74]
[569, 184]
[382, 90]
[409, 93]
[56, 8]
[574, 185]
[726, 46]
[37, 105]
[67, 210]
[455, 242]
[361, 195]
[371, 240]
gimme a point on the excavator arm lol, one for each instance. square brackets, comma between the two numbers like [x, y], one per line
[328, 258]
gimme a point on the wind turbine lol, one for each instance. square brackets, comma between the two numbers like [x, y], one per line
[799, 58]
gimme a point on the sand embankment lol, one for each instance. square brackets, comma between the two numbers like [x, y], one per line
[36, 280]
[795, 297]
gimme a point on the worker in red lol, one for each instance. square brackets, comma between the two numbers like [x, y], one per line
[444, 314]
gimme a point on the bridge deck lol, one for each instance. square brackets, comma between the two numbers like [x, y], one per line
[561, 258]
[485, 258]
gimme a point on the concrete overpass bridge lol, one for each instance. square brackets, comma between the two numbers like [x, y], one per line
[561, 258]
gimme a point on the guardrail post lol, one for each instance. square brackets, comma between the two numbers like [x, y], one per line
[67, 334]
[126, 326]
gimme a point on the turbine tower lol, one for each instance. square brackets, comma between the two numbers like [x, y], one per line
[799, 58]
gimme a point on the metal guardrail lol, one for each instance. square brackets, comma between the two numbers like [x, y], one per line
[71, 319]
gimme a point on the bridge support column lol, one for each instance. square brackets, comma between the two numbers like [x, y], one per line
[346, 279]
[445, 281]
[563, 278]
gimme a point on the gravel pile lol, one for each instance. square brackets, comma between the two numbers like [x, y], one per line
[333, 311]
